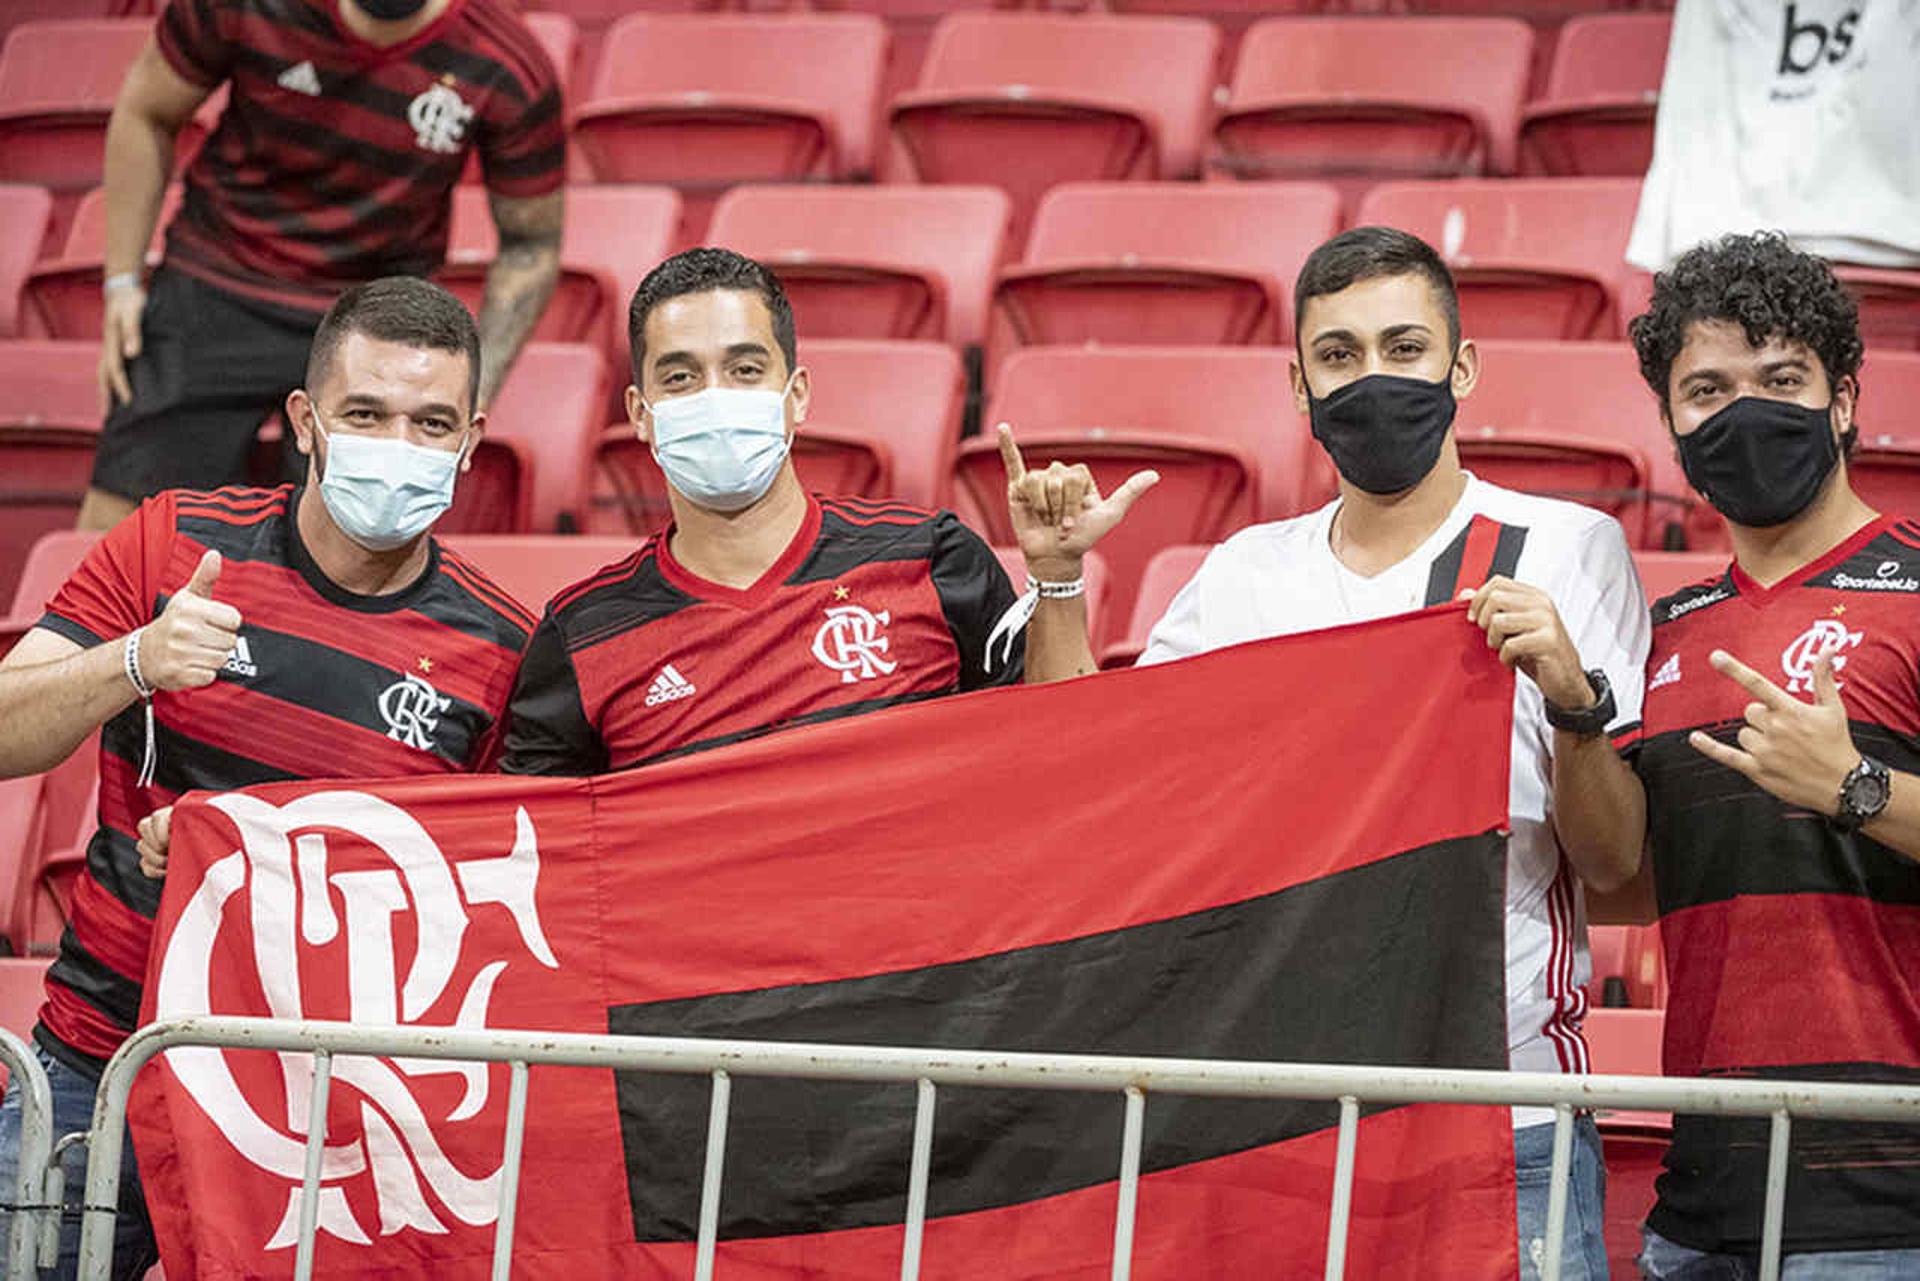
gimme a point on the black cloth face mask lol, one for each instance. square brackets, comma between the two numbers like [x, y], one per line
[391, 10]
[1760, 462]
[1384, 432]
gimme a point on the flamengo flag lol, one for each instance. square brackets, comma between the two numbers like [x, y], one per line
[1285, 851]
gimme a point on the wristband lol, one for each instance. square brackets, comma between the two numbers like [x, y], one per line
[120, 280]
[1020, 613]
[130, 661]
[1057, 591]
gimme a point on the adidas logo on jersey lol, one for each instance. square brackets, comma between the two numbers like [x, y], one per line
[669, 685]
[301, 78]
[240, 661]
[1669, 673]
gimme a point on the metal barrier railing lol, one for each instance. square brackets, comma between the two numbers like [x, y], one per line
[1132, 1078]
[34, 1230]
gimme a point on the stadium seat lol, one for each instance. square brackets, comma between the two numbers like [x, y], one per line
[874, 262]
[1025, 101]
[58, 82]
[883, 423]
[22, 988]
[1163, 262]
[1596, 117]
[529, 474]
[1628, 1043]
[533, 568]
[1533, 258]
[49, 422]
[1374, 98]
[46, 565]
[1170, 569]
[1889, 305]
[1204, 418]
[1664, 573]
[1094, 570]
[24, 214]
[614, 234]
[704, 101]
[1885, 468]
[62, 294]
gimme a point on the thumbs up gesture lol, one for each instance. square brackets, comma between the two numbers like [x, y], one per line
[188, 644]
[1058, 514]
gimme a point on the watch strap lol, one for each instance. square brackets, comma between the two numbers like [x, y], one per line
[1591, 720]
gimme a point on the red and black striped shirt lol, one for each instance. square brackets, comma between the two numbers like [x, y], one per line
[873, 604]
[1792, 947]
[335, 160]
[323, 683]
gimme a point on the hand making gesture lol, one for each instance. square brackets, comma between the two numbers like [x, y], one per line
[1800, 752]
[1058, 514]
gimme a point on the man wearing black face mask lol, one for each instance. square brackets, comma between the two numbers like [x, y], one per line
[1381, 363]
[1783, 862]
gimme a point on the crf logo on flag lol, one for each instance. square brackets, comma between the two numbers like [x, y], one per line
[395, 942]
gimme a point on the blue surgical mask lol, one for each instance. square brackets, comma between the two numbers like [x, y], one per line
[382, 492]
[722, 447]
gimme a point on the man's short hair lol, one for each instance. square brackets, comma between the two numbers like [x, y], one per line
[695, 271]
[1759, 282]
[398, 309]
[1365, 253]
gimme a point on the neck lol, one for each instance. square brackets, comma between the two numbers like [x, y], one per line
[1372, 533]
[376, 32]
[736, 549]
[1835, 515]
[346, 563]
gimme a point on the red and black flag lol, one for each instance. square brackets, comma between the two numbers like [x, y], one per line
[1285, 851]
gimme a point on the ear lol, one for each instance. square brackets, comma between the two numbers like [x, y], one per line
[638, 416]
[1299, 381]
[300, 417]
[801, 394]
[478, 426]
[1466, 369]
[1846, 395]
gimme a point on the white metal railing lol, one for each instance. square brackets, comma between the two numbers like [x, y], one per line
[1131, 1078]
[34, 1230]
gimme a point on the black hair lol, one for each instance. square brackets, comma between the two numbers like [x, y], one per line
[398, 309]
[1365, 253]
[1761, 283]
[695, 271]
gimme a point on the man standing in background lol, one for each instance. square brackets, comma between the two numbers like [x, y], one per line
[347, 126]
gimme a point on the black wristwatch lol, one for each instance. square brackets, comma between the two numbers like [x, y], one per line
[1864, 792]
[1594, 719]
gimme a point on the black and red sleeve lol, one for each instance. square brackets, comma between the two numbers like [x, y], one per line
[974, 594]
[547, 727]
[113, 590]
[523, 136]
[190, 38]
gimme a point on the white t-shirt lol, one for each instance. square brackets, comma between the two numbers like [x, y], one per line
[1282, 578]
[1792, 117]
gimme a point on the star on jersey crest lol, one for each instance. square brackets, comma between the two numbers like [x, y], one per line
[841, 593]
[1839, 610]
[426, 664]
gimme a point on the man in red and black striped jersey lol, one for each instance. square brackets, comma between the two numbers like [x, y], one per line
[239, 636]
[347, 124]
[760, 606]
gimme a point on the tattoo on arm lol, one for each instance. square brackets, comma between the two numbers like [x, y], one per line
[519, 282]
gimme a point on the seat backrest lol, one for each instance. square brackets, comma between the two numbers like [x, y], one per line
[1171, 569]
[955, 234]
[1664, 573]
[1578, 225]
[22, 989]
[49, 564]
[49, 383]
[559, 38]
[1160, 68]
[24, 212]
[552, 405]
[68, 64]
[1889, 390]
[1592, 390]
[830, 63]
[533, 568]
[904, 395]
[1604, 54]
[87, 233]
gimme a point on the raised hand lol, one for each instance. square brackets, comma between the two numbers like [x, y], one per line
[1523, 626]
[1801, 752]
[187, 645]
[1058, 514]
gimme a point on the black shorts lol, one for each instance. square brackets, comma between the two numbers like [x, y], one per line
[212, 367]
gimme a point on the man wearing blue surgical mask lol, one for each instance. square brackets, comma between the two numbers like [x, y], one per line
[759, 606]
[1380, 366]
[218, 639]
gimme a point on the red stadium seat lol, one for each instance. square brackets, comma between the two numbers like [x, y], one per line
[62, 294]
[22, 988]
[1885, 467]
[1375, 97]
[529, 473]
[46, 565]
[49, 422]
[1596, 117]
[1025, 101]
[1664, 573]
[533, 568]
[705, 101]
[1889, 305]
[614, 235]
[1094, 571]
[883, 423]
[24, 215]
[1204, 418]
[874, 262]
[1170, 569]
[1628, 1043]
[1533, 258]
[1163, 262]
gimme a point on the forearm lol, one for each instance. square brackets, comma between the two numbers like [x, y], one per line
[519, 282]
[49, 708]
[1898, 825]
[1058, 647]
[1599, 810]
[139, 159]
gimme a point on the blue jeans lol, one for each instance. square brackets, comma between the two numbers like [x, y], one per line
[134, 1250]
[1583, 1250]
[1662, 1260]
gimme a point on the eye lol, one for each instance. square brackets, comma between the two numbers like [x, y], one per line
[677, 379]
[749, 371]
[362, 415]
[1407, 349]
[1334, 355]
[1787, 381]
[435, 426]
[1702, 391]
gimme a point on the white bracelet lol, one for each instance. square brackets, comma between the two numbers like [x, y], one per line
[1057, 591]
[120, 280]
[130, 659]
[130, 656]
